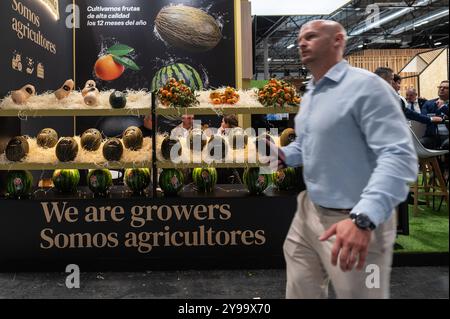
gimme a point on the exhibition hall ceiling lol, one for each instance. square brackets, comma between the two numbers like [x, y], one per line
[383, 24]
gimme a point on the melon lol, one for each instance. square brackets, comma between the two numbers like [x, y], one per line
[47, 138]
[178, 71]
[117, 100]
[17, 149]
[137, 179]
[171, 181]
[66, 180]
[205, 179]
[261, 145]
[255, 181]
[99, 181]
[285, 179]
[133, 138]
[237, 138]
[113, 149]
[19, 183]
[197, 140]
[188, 28]
[91, 140]
[287, 137]
[167, 145]
[217, 147]
[67, 149]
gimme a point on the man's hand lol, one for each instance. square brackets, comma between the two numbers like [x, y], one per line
[436, 119]
[351, 245]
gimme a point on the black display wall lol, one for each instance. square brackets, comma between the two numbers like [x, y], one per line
[37, 49]
[132, 23]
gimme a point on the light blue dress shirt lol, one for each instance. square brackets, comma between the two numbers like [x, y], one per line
[354, 144]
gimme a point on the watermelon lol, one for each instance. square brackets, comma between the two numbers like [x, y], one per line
[99, 181]
[205, 179]
[47, 138]
[167, 145]
[133, 138]
[178, 71]
[137, 179]
[91, 140]
[113, 149]
[66, 180]
[19, 183]
[285, 179]
[255, 181]
[171, 181]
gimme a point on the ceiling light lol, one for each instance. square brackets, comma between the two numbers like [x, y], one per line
[295, 7]
[438, 43]
[290, 46]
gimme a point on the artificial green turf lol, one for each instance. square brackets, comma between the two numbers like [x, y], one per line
[429, 231]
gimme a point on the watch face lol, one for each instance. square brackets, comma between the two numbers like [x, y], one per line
[363, 222]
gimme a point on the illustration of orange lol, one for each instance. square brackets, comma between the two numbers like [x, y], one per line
[107, 69]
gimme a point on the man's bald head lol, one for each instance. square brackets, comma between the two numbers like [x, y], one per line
[411, 95]
[322, 40]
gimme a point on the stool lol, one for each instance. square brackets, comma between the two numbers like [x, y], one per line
[428, 162]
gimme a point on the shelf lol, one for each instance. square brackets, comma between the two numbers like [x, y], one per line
[75, 112]
[168, 164]
[225, 110]
[71, 165]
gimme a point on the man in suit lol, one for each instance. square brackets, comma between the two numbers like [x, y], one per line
[436, 134]
[413, 102]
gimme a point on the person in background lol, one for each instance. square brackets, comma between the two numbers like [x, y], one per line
[413, 102]
[357, 160]
[388, 75]
[183, 130]
[147, 126]
[228, 122]
[436, 134]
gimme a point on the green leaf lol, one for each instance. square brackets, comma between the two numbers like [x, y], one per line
[120, 50]
[126, 62]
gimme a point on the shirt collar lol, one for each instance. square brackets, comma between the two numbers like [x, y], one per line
[335, 74]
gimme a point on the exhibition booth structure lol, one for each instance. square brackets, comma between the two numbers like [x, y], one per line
[95, 169]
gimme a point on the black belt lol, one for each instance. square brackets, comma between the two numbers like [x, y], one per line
[340, 210]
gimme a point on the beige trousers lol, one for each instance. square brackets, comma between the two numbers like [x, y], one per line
[308, 260]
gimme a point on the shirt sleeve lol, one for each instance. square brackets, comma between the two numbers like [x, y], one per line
[388, 137]
[293, 152]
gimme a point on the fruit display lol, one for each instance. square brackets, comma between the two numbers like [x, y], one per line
[112, 65]
[285, 179]
[19, 183]
[99, 181]
[22, 95]
[178, 71]
[118, 100]
[278, 93]
[67, 149]
[47, 138]
[237, 138]
[255, 181]
[133, 138]
[113, 149]
[217, 147]
[197, 140]
[205, 179]
[287, 137]
[17, 149]
[137, 179]
[228, 96]
[66, 180]
[188, 28]
[64, 91]
[167, 145]
[177, 94]
[91, 140]
[171, 181]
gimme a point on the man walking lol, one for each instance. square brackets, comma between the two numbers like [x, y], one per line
[358, 157]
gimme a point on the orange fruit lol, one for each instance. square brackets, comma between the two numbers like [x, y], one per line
[107, 69]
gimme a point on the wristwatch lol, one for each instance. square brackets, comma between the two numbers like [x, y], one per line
[362, 221]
